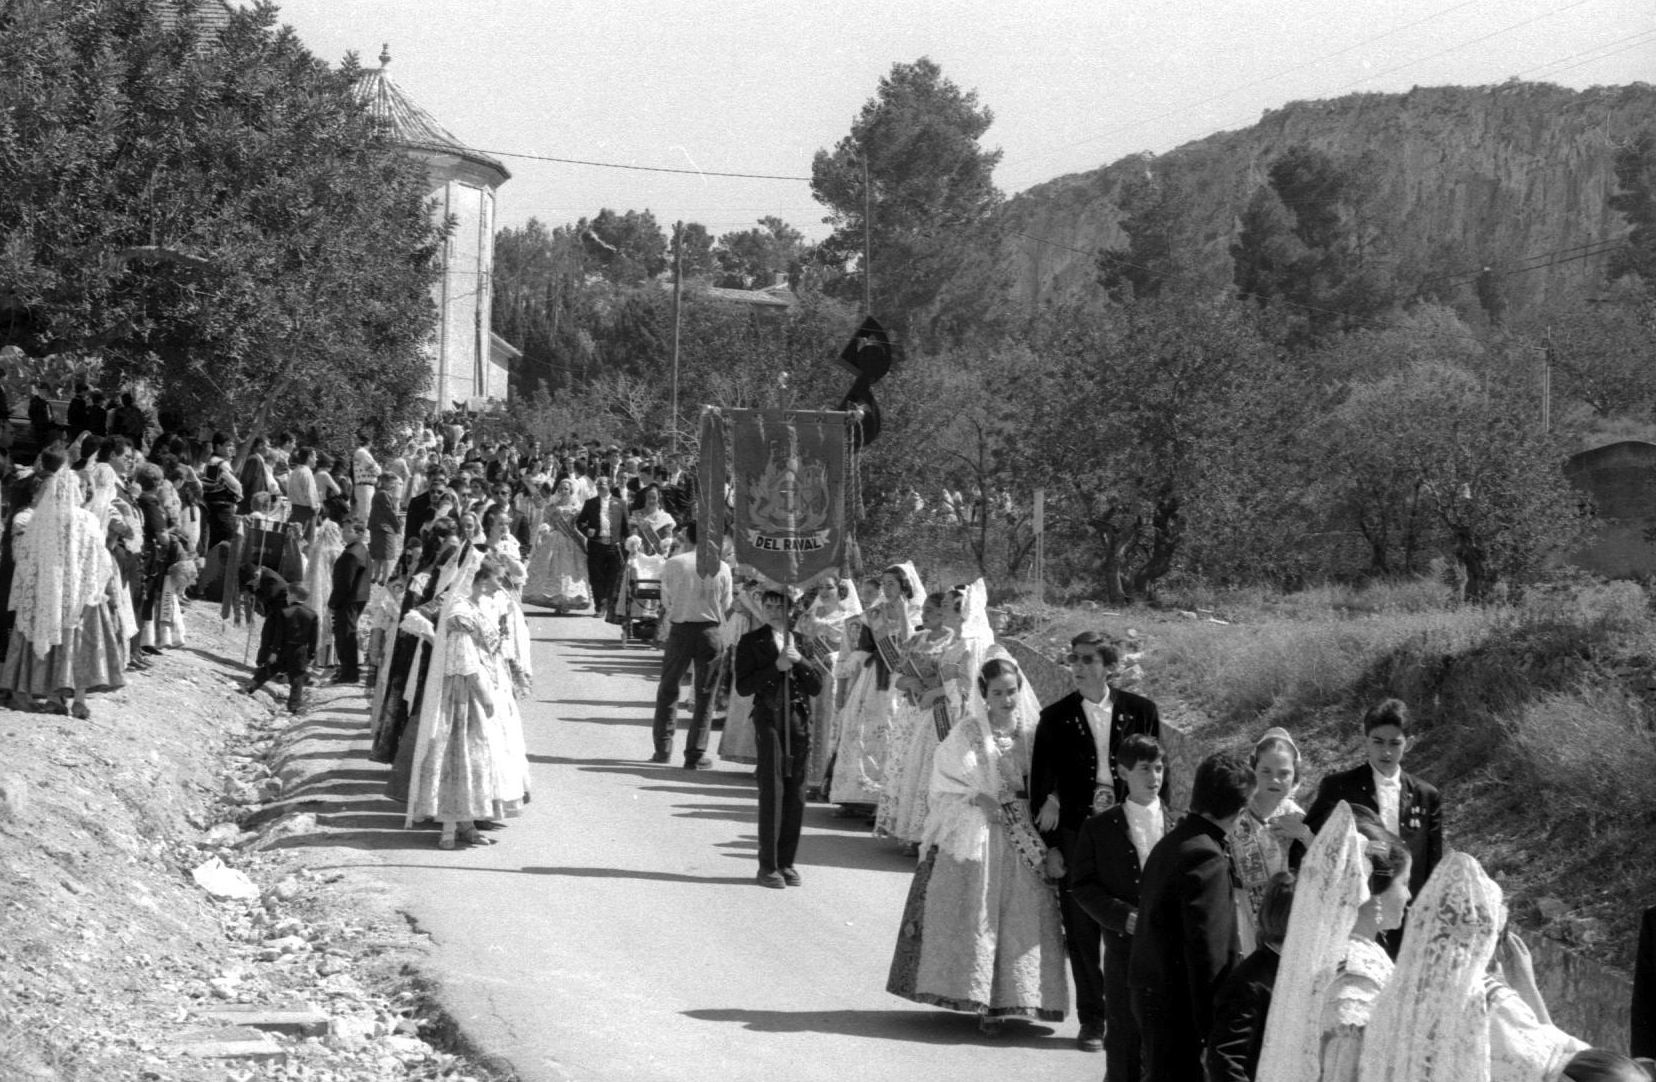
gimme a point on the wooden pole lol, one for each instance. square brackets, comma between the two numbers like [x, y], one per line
[678, 300]
[868, 244]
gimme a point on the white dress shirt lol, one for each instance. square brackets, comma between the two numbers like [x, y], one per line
[1100, 717]
[1388, 793]
[1144, 827]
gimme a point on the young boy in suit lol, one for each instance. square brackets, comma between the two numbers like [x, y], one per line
[1409, 807]
[1110, 852]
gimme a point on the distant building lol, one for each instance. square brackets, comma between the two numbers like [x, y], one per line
[1621, 479]
[469, 363]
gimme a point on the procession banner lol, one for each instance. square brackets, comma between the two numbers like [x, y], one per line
[710, 496]
[789, 472]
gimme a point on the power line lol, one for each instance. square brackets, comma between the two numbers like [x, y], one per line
[1256, 82]
[1463, 44]
[644, 168]
[1218, 126]
[1637, 39]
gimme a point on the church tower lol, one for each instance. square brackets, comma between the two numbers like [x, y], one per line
[469, 364]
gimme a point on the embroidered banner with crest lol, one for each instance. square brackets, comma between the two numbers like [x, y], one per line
[787, 469]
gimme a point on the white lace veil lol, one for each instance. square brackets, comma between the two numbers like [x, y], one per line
[105, 485]
[917, 590]
[1331, 888]
[974, 614]
[62, 565]
[431, 738]
[1430, 1021]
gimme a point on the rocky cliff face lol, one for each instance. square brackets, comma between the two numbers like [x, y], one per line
[1510, 176]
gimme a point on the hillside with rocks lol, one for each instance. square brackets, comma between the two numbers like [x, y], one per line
[1511, 176]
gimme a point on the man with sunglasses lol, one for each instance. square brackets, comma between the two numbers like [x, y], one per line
[1072, 777]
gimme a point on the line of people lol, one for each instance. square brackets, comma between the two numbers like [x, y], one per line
[1046, 834]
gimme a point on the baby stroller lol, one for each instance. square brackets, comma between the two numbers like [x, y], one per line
[640, 606]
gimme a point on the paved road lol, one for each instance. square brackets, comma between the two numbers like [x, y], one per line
[616, 932]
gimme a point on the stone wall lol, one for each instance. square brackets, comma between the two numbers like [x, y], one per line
[1586, 999]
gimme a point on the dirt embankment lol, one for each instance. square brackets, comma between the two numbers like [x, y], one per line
[117, 961]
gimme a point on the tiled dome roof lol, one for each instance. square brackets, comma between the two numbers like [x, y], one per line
[411, 125]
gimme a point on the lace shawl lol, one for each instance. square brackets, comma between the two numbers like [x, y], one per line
[1431, 1023]
[435, 721]
[62, 565]
[968, 763]
[1332, 886]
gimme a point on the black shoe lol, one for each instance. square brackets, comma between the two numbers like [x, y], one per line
[790, 877]
[344, 681]
[153, 651]
[773, 880]
[662, 757]
[1091, 1038]
[704, 763]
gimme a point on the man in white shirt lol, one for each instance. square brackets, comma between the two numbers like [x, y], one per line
[364, 477]
[301, 489]
[695, 609]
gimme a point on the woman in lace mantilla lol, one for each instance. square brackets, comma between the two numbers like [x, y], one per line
[463, 769]
[871, 702]
[981, 930]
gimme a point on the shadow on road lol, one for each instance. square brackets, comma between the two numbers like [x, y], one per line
[640, 704]
[626, 873]
[839, 851]
[735, 813]
[915, 1027]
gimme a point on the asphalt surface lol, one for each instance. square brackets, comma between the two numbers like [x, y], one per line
[616, 932]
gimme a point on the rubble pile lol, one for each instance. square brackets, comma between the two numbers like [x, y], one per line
[149, 930]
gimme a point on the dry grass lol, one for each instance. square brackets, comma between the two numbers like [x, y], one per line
[1588, 753]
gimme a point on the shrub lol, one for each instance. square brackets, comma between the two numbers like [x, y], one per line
[1586, 752]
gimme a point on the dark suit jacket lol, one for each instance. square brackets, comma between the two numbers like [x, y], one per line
[383, 525]
[420, 510]
[1065, 758]
[1418, 812]
[1186, 943]
[1239, 1013]
[350, 577]
[758, 676]
[1104, 874]
[586, 522]
[296, 640]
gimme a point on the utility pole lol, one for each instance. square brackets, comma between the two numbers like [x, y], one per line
[868, 244]
[1546, 382]
[678, 299]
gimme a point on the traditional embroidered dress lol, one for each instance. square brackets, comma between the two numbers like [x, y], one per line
[652, 532]
[325, 547]
[981, 930]
[1347, 1007]
[911, 724]
[871, 702]
[824, 629]
[1256, 855]
[461, 769]
[557, 566]
[66, 594]
[962, 658]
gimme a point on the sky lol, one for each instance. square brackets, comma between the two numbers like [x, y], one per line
[758, 87]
